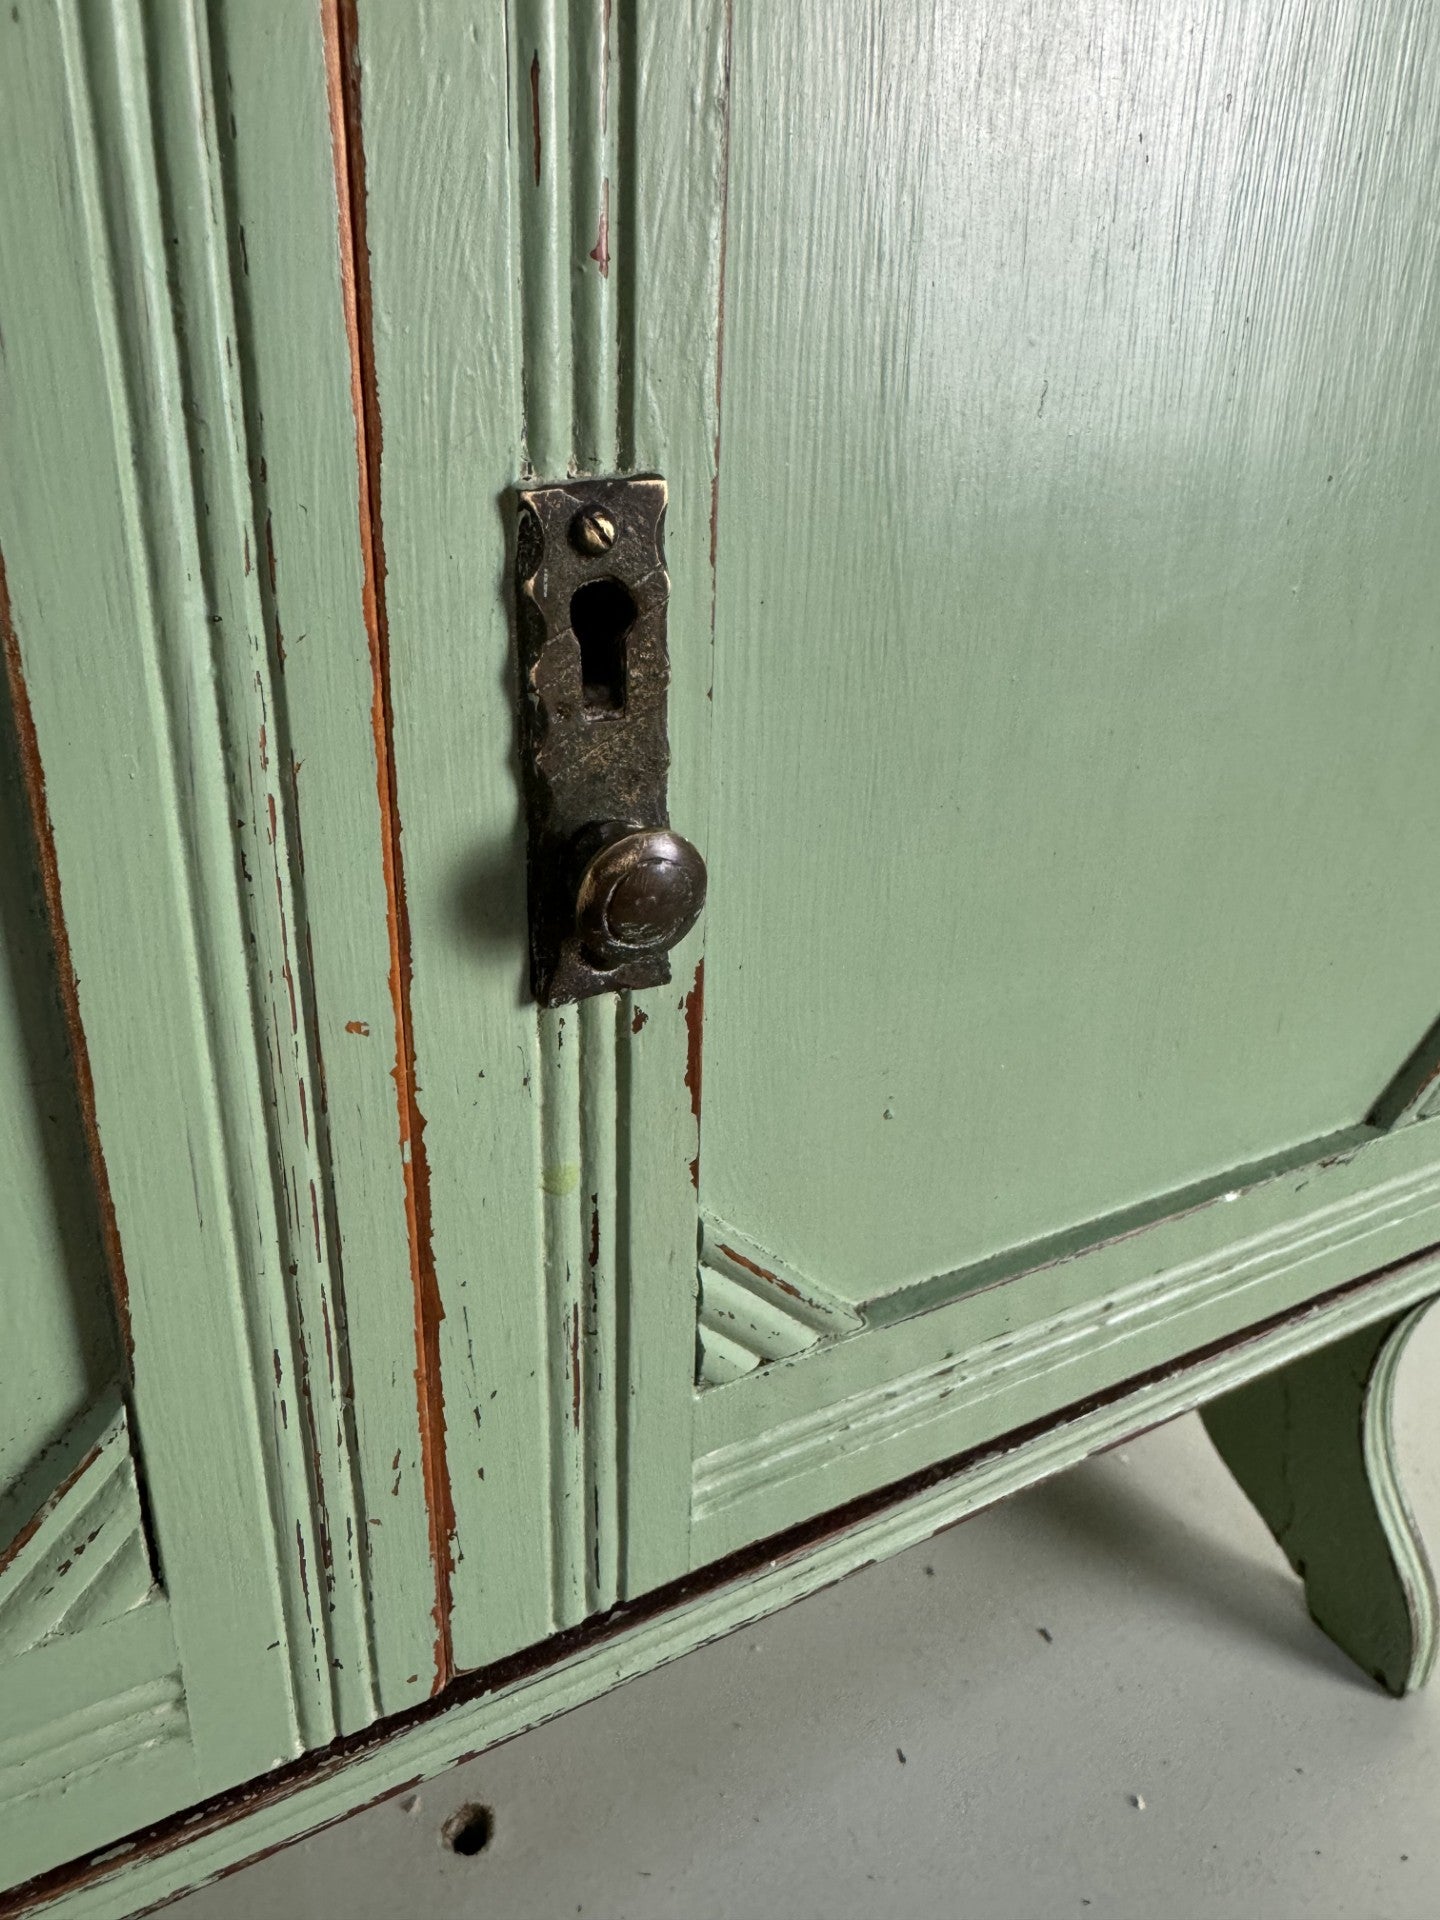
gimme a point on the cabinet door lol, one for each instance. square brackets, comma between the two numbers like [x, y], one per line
[1047, 399]
[216, 1538]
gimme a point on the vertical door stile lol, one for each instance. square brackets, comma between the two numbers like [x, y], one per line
[303, 1336]
[595, 363]
[345, 81]
[667, 225]
[564, 68]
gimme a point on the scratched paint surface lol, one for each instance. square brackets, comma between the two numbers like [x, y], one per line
[348, 1376]
[1076, 656]
[446, 440]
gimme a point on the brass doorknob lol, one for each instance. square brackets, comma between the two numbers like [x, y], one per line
[640, 893]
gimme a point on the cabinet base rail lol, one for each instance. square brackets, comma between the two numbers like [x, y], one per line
[1299, 1407]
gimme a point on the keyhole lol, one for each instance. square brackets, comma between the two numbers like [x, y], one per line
[601, 614]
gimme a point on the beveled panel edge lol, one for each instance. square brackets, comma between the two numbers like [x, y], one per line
[834, 1422]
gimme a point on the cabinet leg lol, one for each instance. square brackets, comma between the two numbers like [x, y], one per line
[1313, 1447]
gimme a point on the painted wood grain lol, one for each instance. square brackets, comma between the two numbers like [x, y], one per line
[114, 650]
[344, 81]
[1078, 548]
[185, 632]
[227, 554]
[438, 124]
[348, 1370]
[562, 1215]
[675, 64]
[1045, 408]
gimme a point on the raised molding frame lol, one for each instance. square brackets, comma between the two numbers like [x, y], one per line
[144, 110]
[833, 1422]
[83, 1558]
[753, 1308]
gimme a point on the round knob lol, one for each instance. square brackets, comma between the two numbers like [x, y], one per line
[640, 894]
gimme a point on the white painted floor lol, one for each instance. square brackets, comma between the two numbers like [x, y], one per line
[1102, 1699]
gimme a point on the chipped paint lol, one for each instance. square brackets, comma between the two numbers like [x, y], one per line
[498, 1700]
[535, 110]
[751, 1266]
[694, 1008]
[358, 1026]
[343, 76]
[763, 1273]
[600, 252]
[575, 1377]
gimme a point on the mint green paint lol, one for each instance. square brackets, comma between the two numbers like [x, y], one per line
[422, 1751]
[1056, 732]
[1314, 1448]
[305, 738]
[60, 1347]
[140, 502]
[444, 277]
[848, 1416]
[668, 424]
[1079, 550]
[114, 640]
[83, 1559]
[97, 1740]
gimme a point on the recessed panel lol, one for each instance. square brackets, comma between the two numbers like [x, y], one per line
[1075, 794]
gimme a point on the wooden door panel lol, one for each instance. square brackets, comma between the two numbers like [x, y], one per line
[1079, 552]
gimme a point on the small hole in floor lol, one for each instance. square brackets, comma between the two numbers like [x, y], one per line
[469, 1830]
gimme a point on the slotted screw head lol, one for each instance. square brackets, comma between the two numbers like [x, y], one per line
[592, 531]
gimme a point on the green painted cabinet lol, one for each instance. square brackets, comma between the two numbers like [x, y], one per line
[1047, 400]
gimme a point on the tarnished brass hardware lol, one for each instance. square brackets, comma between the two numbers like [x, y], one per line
[611, 888]
[639, 895]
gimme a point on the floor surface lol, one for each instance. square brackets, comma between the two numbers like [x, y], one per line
[1101, 1699]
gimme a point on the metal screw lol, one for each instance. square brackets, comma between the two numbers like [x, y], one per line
[592, 531]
